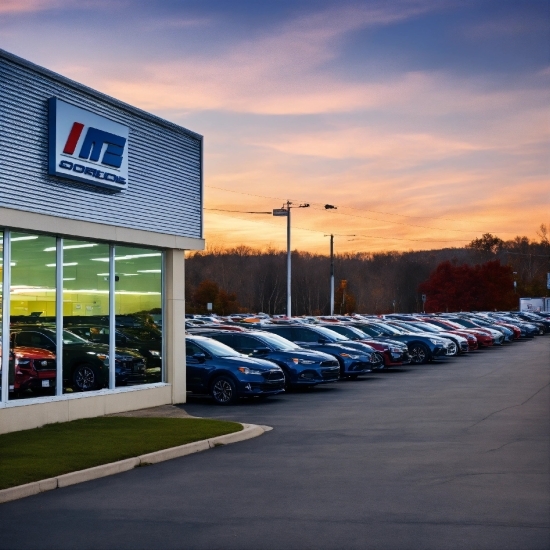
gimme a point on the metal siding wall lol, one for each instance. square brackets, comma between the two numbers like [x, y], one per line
[165, 188]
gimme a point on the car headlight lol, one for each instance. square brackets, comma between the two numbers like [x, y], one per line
[435, 342]
[396, 350]
[350, 356]
[246, 370]
[154, 352]
[297, 361]
[105, 358]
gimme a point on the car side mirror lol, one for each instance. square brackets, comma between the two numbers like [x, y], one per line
[261, 351]
[200, 357]
[322, 340]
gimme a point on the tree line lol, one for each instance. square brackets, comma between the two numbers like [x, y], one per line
[250, 280]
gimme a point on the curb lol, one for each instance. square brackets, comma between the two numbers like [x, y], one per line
[249, 431]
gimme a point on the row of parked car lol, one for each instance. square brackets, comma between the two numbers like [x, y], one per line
[33, 351]
[258, 355]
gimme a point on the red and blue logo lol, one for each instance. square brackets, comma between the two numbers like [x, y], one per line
[87, 147]
[93, 145]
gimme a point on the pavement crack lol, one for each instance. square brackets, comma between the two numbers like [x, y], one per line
[498, 448]
[509, 407]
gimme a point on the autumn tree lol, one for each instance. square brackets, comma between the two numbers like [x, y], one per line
[453, 287]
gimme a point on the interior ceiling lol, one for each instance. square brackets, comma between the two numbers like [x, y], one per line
[33, 265]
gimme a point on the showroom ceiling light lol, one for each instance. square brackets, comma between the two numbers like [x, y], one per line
[128, 257]
[69, 264]
[27, 238]
[69, 246]
[149, 271]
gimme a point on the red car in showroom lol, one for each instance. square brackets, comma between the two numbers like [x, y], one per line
[31, 369]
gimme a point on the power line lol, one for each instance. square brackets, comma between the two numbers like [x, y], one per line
[367, 210]
[358, 235]
[240, 211]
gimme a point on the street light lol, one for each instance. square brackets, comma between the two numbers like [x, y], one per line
[286, 212]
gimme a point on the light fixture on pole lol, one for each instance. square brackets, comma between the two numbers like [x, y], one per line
[286, 212]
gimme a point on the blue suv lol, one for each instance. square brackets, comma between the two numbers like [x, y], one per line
[301, 367]
[217, 369]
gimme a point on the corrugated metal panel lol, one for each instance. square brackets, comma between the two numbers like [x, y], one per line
[165, 160]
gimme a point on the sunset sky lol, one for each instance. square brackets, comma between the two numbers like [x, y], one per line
[426, 123]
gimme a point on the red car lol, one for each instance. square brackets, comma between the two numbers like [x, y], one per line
[32, 368]
[484, 338]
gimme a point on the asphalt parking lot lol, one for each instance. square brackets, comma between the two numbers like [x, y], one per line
[448, 455]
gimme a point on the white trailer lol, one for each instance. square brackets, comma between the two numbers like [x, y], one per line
[534, 304]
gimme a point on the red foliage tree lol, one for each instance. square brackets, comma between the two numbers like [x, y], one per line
[453, 287]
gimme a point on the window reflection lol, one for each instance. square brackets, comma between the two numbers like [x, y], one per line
[85, 328]
[85, 305]
[32, 310]
[138, 303]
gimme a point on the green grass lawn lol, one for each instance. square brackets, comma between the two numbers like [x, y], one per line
[55, 449]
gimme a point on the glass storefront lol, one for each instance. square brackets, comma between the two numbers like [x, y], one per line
[100, 319]
[32, 315]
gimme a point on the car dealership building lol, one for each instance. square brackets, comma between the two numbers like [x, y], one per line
[98, 202]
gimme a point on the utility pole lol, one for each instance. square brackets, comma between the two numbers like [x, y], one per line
[332, 274]
[288, 266]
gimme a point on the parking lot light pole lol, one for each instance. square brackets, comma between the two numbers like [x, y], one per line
[286, 212]
[331, 274]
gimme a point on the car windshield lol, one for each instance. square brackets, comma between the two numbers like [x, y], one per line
[68, 337]
[371, 330]
[389, 330]
[428, 327]
[351, 332]
[405, 326]
[465, 323]
[217, 349]
[277, 342]
[330, 334]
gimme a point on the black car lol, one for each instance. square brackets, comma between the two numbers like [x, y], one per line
[353, 361]
[85, 365]
[301, 367]
[217, 369]
[147, 345]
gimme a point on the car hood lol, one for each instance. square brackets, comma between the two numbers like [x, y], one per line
[33, 353]
[305, 354]
[253, 363]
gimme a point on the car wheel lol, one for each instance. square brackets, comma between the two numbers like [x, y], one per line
[85, 378]
[224, 391]
[419, 354]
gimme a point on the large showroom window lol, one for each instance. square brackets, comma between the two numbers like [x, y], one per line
[138, 305]
[83, 315]
[32, 315]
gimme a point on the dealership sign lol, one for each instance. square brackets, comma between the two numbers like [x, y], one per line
[87, 147]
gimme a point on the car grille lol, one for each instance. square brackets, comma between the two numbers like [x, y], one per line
[274, 375]
[330, 363]
[331, 374]
[44, 364]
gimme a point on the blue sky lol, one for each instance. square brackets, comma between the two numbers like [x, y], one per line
[425, 122]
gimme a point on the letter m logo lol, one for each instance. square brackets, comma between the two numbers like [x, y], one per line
[93, 145]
